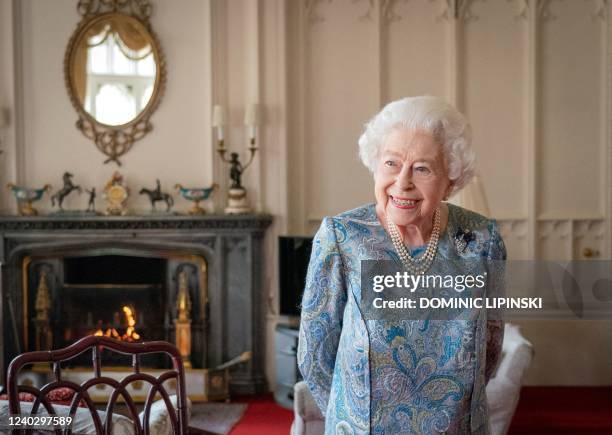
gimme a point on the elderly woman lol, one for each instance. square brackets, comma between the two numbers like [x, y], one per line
[392, 376]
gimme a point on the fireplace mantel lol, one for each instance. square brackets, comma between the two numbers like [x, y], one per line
[231, 247]
[135, 222]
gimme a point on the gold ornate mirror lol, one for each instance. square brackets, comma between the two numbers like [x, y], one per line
[115, 73]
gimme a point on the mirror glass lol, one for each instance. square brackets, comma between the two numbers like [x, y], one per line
[113, 69]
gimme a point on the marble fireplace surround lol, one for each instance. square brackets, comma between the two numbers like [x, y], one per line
[231, 247]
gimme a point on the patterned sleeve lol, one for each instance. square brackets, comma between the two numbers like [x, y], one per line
[495, 324]
[322, 310]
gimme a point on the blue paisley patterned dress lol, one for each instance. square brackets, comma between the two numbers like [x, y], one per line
[396, 376]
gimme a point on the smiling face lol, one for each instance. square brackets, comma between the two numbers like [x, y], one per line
[411, 178]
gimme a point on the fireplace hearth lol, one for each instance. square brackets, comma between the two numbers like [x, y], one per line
[126, 297]
[193, 281]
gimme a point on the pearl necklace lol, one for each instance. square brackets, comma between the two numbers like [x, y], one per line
[417, 266]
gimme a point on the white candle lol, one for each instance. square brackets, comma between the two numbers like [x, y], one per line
[252, 118]
[218, 120]
[218, 116]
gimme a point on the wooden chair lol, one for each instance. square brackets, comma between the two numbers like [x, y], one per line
[178, 416]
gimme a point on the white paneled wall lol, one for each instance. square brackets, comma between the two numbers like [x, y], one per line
[533, 78]
[493, 93]
[339, 67]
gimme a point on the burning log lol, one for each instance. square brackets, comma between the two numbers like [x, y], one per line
[130, 334]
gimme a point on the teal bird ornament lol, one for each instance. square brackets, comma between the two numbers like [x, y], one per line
[26, 196]
[196, 194]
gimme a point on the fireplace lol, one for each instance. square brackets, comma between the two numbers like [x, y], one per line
[126, 297]
[192, 281]
[123, 297]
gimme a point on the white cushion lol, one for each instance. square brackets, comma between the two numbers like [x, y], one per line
[159, 418]
[503, 390]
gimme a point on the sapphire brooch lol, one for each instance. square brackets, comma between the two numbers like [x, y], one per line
[462, 238]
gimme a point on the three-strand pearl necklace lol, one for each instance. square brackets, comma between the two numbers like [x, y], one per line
[417, 266]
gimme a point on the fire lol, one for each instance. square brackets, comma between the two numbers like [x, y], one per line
[130, 332]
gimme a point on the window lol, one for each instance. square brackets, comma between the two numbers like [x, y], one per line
[119, 80]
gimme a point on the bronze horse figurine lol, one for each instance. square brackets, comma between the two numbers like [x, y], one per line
[64, 191]
[157, 195]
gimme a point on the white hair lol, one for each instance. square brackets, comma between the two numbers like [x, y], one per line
[431, 115]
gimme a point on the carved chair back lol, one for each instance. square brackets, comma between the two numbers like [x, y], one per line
[178, 416]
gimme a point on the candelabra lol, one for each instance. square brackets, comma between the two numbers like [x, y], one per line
[237, 194]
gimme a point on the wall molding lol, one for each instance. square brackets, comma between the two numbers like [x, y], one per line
[606, 131]
[601, 10]
[544, 11]
[554, 228]
[461, 10]
[388, 11]
[572, 233]
[312, 14]
[9, 171]
[218, 87]
[253, 89]
[302, 116]
[513, 228]
[531, 123]
[458, 10]
[588, 228]
[607, 160]
[367, 15]
[18, 86]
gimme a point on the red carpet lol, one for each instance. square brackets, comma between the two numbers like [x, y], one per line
[263, 416]
[563, 411]
[541, 411]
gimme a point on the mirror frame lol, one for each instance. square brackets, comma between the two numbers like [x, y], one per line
[115, 140]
